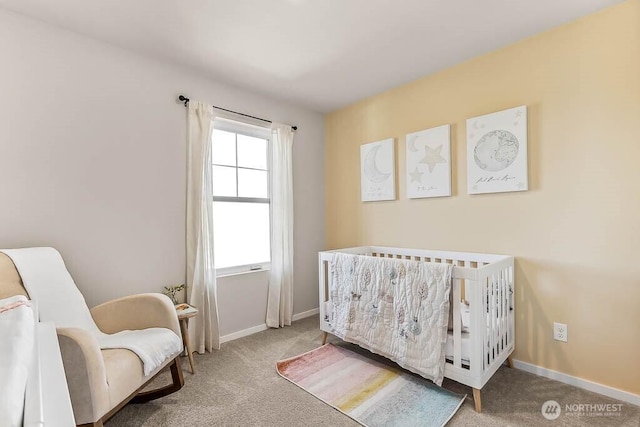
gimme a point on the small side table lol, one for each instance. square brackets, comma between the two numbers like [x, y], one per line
[186, 312]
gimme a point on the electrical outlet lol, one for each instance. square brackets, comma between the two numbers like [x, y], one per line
[560, 331]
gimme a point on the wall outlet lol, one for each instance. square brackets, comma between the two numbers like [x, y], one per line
[560, 331]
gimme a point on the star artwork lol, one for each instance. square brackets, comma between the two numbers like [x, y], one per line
[432, 157]
[428, 168]
[416, 175]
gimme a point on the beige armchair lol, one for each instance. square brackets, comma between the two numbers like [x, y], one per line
[102, 381]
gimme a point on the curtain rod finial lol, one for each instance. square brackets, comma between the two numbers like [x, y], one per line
[184, 99]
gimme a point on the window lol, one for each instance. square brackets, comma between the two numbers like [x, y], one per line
[240, 197]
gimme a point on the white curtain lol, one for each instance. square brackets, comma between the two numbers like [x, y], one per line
[280, 299]
[201, 274]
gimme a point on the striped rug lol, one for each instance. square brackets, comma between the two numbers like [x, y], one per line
[370, 392]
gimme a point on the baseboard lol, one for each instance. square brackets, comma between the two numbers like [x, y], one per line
[304, 314]
[243, 333]
[263, 327]
[604, 390]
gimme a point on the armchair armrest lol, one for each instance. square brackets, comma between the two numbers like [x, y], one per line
[85, 371]
[140, 311]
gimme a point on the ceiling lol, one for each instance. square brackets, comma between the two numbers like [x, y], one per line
[321, 54]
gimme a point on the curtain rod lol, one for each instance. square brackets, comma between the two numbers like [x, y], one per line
[185, 100]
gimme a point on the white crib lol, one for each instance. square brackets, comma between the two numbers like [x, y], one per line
[485, 281]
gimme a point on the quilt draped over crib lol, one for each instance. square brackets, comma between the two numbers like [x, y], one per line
[397, 308]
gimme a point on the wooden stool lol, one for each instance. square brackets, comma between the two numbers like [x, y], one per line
[186, 312]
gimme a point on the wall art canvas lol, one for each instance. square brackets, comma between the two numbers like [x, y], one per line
[377, 171]
[429, 163]
[497, 152]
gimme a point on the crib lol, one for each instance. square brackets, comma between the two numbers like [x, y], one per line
[481, 336]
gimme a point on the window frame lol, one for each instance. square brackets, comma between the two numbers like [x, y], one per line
[246, 129]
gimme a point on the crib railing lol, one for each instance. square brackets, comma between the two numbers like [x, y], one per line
[484, 280]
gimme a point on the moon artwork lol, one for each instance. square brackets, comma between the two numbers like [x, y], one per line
[497, 152]
[429, 163]
[377, 171]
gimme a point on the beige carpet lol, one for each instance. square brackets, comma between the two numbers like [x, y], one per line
[239, 386]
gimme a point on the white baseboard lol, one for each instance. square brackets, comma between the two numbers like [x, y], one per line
[604, 390]
[263, 327]
[243, 333]
[304, 314]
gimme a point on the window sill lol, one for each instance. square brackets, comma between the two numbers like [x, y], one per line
[239, 273]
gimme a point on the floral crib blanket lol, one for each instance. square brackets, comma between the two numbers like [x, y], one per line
[397, 308]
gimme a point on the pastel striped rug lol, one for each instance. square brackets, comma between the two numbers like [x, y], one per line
[370, 392]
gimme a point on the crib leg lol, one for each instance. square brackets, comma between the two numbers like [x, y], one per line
[477, 400]
[324, 338]
[510, 362]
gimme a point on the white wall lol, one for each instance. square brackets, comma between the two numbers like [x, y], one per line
[92, 162]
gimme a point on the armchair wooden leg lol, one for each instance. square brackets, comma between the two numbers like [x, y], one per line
[324, 338]
[178, 382]
[510, 362]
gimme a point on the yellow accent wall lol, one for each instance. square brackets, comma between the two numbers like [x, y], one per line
[576, 232]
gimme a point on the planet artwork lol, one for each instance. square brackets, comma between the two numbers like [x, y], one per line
[496, 150]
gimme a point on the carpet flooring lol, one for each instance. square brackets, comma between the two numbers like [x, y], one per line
[239, 386]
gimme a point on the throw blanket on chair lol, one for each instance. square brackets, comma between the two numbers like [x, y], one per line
[394, 307]
[16, 353]
[46, 279]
